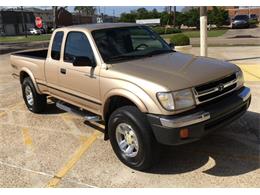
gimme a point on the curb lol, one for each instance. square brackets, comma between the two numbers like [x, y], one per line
[24, 42]
[184, 47]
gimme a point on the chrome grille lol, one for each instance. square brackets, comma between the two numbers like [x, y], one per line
[209, 91]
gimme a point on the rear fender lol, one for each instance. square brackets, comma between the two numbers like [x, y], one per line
[24, 69]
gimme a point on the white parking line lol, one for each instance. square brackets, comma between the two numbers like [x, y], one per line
[44, 174]
[25, 169]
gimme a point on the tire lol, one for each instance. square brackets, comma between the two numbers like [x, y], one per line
[36, 102]
[133, 119]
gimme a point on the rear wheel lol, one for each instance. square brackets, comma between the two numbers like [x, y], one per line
[34, 101]
[131, 138]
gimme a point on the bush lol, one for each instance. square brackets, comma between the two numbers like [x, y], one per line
[253, 22]
[162, 30]
[180, 39]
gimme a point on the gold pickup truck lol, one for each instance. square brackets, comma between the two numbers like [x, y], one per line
[129, 78]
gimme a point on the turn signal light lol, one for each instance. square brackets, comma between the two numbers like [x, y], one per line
[184, 133]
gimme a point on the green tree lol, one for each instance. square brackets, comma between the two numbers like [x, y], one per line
[217, 16]
[86, 10]
[191, 18]
[166, 18]
[142, 13]
[128, 17]
[155, 14]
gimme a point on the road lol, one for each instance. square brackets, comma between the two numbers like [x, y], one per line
[235, 54]
[57, 149]
[12, 47]
[234, 37]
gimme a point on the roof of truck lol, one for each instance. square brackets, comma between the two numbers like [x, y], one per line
[99, 26]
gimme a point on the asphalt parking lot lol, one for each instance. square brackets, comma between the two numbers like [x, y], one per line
[57, 149]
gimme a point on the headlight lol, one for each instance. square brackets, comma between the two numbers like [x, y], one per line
[166, 100]
[240, 78]
[183, 99]
[176, 100]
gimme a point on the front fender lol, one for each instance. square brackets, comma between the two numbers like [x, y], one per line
[144, 102]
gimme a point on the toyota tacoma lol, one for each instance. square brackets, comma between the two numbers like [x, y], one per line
[127, 77]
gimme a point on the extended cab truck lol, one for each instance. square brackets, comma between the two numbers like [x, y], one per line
[128, 77]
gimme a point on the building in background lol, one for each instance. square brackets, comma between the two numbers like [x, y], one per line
[44, 14]
[63, 17]
[244, 11]
[77, 18]
[16, 22]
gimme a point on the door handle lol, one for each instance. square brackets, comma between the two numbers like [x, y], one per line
[63, 71]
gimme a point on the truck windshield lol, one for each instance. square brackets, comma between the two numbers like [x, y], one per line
[127, 43]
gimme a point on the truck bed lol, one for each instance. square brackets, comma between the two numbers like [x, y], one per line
[40, 53]
[30, 60]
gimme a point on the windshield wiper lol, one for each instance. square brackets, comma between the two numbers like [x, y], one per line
[156, 52]
[125, 57]
[149, 54]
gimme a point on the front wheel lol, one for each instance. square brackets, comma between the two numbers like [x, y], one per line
[131, 138]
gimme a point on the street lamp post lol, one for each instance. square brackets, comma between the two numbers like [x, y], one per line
[203, 31]
[23, 23]
[54, 10]
[174, 16]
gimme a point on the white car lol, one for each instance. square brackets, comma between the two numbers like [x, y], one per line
[34, 31]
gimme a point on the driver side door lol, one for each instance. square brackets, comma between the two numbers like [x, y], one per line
[80, 84]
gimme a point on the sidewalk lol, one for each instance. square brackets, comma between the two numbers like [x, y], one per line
[249, 37]
[220, 41]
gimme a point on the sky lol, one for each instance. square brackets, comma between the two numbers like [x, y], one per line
[109, 10]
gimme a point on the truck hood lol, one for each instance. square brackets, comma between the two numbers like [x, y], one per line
[173, 71]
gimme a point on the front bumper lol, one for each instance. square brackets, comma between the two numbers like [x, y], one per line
[201, 120]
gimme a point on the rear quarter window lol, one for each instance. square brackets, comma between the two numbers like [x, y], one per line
[56, 45]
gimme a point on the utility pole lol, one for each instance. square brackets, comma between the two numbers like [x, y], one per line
[54, 9]
[113, 15]
[23, 23]
[170, 15]
[174, 16]
[203, 31]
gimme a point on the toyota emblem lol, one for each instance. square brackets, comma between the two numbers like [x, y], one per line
[221, 87]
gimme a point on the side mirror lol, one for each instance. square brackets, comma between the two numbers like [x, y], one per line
[83, 61]
[171, 45]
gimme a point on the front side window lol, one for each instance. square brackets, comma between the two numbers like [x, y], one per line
[126, 43]
[77, 45]
[56, 45]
